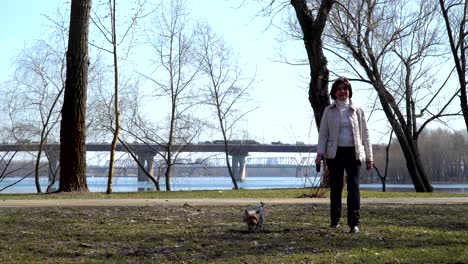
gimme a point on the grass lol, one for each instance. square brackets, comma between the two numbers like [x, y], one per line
[215, 234]
[268, 193]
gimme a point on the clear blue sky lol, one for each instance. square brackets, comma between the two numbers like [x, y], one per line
[284, 113]
[23, 21]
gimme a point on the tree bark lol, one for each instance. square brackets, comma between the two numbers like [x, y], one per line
[116, 131]
[402, 131]
[312, 28]
[168, 172]
[73, 130]
[459, 53]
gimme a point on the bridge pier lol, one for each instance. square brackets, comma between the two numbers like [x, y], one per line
[146, 153]
[146, 159]
[238, 166]
[298, 171]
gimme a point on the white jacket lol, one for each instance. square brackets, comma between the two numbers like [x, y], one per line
[329, 130]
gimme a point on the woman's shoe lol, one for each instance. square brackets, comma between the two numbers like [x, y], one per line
[354, 230]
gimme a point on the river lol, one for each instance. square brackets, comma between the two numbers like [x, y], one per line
[130, 184]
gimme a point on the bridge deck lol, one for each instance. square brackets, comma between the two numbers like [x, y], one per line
[232, 148]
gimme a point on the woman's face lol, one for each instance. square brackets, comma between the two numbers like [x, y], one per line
[342, 92]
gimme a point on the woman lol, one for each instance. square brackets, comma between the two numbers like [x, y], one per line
[344, 143]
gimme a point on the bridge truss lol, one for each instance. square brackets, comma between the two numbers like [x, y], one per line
[259, 162]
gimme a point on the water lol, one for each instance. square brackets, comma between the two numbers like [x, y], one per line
[130, 184]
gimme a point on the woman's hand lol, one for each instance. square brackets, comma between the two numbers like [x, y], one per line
[318, 159]
[369, 164]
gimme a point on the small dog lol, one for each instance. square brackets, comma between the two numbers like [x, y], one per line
[254, 217]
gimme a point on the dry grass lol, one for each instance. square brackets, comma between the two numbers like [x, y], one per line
[216, 234]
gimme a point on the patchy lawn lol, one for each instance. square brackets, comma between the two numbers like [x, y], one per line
[216, 234]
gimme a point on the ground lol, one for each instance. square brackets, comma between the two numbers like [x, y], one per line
[394, 230]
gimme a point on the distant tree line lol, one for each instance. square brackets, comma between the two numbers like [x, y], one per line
[443, 154]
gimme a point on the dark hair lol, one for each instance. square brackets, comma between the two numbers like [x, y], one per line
[335, 85]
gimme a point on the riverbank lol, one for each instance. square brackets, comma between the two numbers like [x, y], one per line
[131, 184]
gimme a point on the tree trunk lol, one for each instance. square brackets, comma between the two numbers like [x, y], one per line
[38, 168]
[319, 75]
[408, 145]
[459, 54]
[464, 100]
[116, 133]
[168, 175]
[73, 130]
[360, 31]
[231, 173]
[228, 163]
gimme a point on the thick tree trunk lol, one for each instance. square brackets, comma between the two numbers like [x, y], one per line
[312, 28]
[408, 145]
[318, 86]
[73, 130]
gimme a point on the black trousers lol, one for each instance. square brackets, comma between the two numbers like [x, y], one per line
[345, 160]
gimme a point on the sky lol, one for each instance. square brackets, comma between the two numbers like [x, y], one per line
[284, 112]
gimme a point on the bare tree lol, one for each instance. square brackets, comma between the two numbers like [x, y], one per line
[393, 42]
[113, 40]
[139, 128]
[9, 167]
[225, 88]
[383, 178]
[41, 74]
[313, 22]
[174, 77]
[112, 37]
[36, 95]
[33, 99]
[72, 129]
[455, 14]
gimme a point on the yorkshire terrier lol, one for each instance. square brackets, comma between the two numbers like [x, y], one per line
[254, 217]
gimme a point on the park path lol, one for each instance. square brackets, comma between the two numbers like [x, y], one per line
[224, 201]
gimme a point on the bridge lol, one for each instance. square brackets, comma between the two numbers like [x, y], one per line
[146, 153]
[140, 147]
[299, 166]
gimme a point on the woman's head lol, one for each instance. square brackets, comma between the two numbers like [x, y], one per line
[341, 89]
